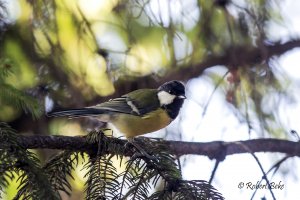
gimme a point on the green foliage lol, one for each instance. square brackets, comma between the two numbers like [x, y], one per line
[34, 183]
[6, 161]
[141, 175]
[13, 97]
[188, 190]
[5, 68]
[102, 178]
[59, 168]
[139, 179]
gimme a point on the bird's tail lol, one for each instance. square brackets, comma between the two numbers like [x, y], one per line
[82, 112]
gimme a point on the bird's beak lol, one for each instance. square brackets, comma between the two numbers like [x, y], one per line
[182, 97]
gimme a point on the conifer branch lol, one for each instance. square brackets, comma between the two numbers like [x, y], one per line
[214, 150]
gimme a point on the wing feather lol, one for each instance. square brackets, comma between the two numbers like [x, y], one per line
[138, 102]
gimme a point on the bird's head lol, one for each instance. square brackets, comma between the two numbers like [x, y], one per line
[171, 96]
[170, 91]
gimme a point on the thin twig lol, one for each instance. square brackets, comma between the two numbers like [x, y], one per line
[261, 168]
[213, 92]
[214, 171]
[276, 166]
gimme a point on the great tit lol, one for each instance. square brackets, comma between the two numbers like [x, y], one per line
[139, 112]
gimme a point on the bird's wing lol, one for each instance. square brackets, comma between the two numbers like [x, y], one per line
[118, 105]
[138, 102]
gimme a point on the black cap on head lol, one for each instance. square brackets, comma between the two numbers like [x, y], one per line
[173, 87]
[171, 96]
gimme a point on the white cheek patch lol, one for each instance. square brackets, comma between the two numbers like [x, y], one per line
[165, 98]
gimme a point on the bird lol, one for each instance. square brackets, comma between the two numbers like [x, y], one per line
[138, 112]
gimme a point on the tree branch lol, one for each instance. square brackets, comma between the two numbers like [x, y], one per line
[233, 56]
[214, 150]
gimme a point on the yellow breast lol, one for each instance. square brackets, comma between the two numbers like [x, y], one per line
[132, 126]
